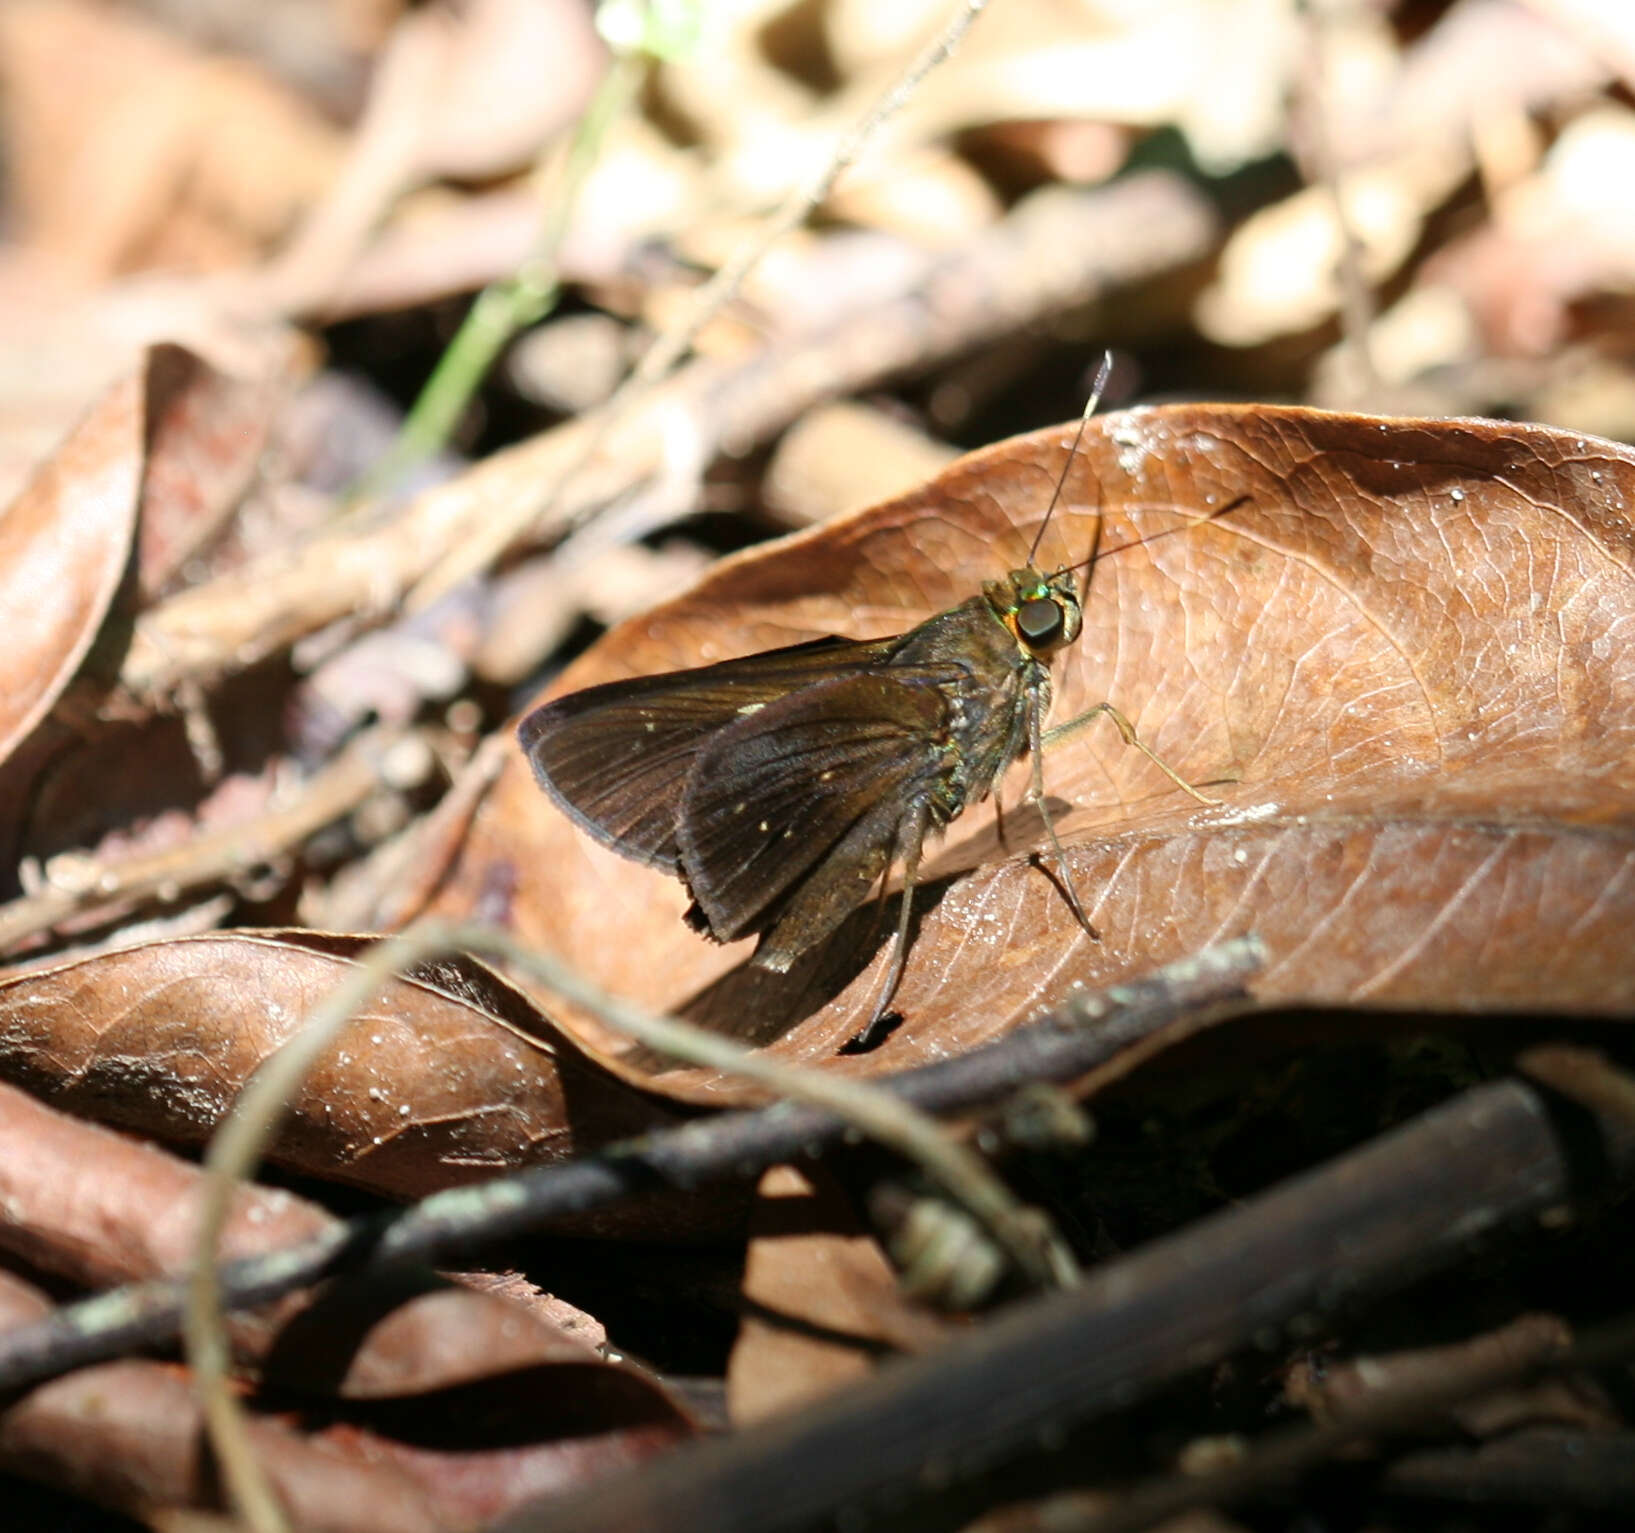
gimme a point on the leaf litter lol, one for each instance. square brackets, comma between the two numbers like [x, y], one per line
[1399, 661]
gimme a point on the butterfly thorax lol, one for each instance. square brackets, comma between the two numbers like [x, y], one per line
[990, 660]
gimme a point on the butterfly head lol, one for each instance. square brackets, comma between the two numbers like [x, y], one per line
[1041, 611]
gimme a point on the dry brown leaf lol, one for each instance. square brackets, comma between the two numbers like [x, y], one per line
[433, 1084]
[129, 1434]
[1403, 648]
[97, 1208]
[162, 457]
[64, 545]
[191, 438]
[206, 433]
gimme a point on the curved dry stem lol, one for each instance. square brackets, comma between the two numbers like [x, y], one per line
[1025, 1235]
[234, 1150]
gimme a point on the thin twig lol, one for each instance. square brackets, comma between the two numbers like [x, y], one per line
[1082, 1035]
[668, 349]
[1279, 1456]
[214, 855]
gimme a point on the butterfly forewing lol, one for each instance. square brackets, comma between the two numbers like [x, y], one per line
[792, 813]
[616, 757]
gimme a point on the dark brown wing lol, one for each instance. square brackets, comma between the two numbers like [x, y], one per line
[792, 813]
[616, 757]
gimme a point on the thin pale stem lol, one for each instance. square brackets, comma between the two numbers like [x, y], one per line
[662, 356]
[523, 299]
[1024, 1234]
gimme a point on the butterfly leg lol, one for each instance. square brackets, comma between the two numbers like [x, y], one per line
[1037, 738]
[1127, 730]
[910, 838]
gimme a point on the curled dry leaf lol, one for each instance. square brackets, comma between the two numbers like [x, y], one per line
[64, 544]
[206, 433]
[444, 1079]
[440, 1376]
[96, 1208]
[130, 1434]
[137, 487]
[1399, 659]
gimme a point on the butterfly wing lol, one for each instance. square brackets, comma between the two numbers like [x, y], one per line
[616, 758]
[792, 813]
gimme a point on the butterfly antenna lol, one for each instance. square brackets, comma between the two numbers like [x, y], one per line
[1103, 373]
[1189, 525]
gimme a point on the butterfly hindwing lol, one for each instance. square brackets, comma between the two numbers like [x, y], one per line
[793, 812]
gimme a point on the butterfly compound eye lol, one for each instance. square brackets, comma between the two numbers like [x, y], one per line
[1040, 621]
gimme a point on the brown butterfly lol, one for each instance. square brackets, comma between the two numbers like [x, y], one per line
[782, 787]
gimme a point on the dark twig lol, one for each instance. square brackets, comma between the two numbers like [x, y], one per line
[1547, 1466]
[1538, 1462]
[1084, 1034]
[907, 1448]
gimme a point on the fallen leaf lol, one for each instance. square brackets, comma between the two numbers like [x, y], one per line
[1398, 659]
[130, 1435]
[206, 433]
[444, 1079]
[64, 545]
[147, 475]
[97, 1208]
